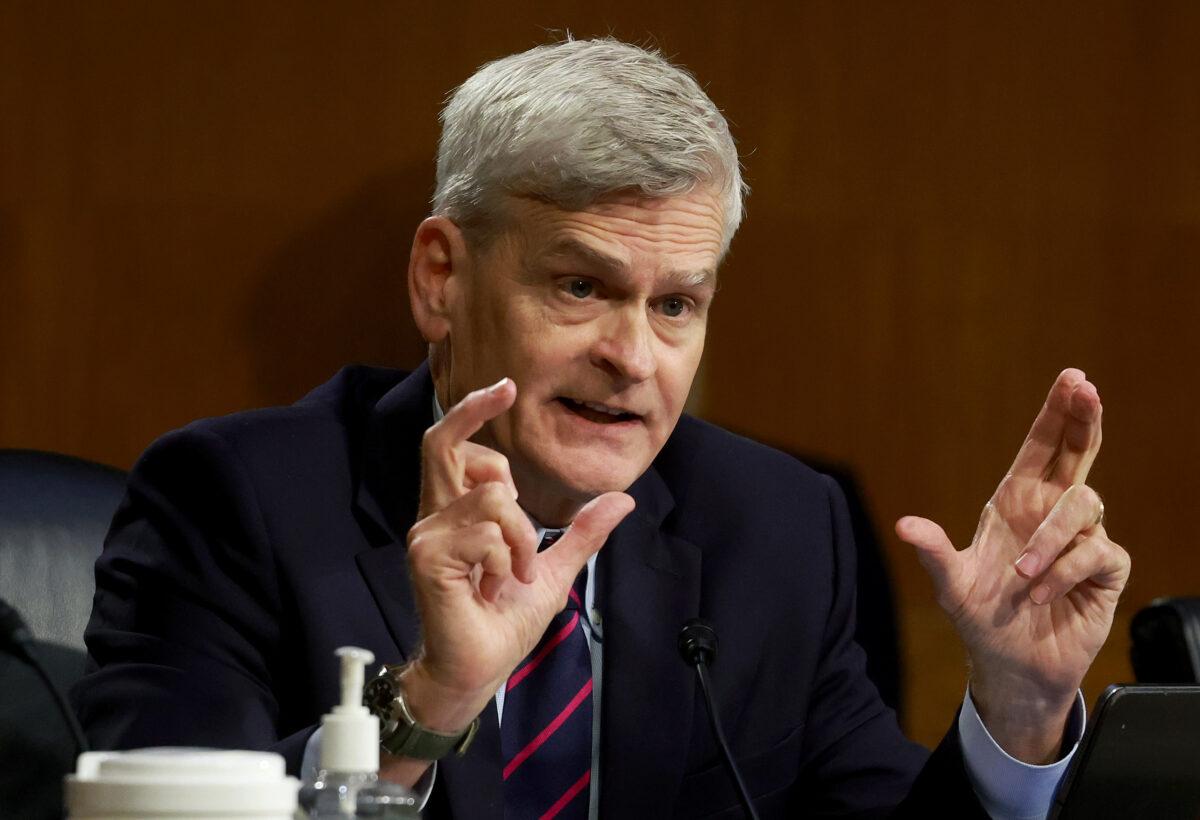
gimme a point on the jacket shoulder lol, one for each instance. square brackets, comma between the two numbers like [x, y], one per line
[700, 457]
[330, 419]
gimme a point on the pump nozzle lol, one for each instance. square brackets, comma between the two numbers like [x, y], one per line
[354, 660]
[350, 733]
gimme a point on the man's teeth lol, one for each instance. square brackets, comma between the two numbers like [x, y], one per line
[602, 408]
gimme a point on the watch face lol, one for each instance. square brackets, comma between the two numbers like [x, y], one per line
[378, 695]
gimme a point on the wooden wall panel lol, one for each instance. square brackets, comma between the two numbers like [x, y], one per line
[205, 207]
[958, 202]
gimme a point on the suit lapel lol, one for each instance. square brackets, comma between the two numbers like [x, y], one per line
[387, 497]
[385, 569]
[386, 501]
[651, 585]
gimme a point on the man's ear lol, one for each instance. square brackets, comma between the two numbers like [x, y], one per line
[436, 265]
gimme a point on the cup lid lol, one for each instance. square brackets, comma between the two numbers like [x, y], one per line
[169, 781]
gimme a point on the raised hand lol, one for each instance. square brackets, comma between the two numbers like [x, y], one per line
[484, 593]
[1033, 596]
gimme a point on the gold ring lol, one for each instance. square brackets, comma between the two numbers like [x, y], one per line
[1099, 515]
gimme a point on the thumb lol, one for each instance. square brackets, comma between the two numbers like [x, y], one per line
[587, 533]
[935, 552]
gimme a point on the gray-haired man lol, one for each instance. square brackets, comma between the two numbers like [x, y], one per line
[587, 192]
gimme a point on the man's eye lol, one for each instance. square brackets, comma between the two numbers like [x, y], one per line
[581, 288]
[674, 306]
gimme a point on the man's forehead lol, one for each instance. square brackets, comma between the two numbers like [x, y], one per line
[607, 235]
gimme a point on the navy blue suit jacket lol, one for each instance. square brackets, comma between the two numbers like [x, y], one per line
[249, 547]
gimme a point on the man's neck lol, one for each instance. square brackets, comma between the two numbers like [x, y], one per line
[551, 511]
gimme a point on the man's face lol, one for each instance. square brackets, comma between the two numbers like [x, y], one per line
[599, 317]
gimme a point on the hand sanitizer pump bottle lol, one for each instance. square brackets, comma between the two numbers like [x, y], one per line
[347, 783]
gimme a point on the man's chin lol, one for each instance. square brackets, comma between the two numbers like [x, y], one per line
[583, 489]
[555, 499]
[596, 480]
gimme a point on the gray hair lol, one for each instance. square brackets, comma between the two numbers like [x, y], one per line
[576, 120]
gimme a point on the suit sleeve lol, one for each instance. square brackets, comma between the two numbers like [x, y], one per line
[856, 760]
[184, 636]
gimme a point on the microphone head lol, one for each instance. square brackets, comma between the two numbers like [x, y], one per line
[698, 642]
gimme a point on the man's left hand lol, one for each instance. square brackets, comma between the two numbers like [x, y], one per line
[1033, 596]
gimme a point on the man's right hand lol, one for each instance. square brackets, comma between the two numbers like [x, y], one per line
[484, 593]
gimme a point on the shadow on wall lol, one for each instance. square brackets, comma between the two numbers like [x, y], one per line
[337, 292]
[10, 293]
[9, 252]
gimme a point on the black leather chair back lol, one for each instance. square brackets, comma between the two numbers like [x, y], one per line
[1166, 641]
[54, 513]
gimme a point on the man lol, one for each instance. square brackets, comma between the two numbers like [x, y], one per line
[586, 194]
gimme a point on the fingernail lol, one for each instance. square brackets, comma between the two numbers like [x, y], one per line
[1040, 594]
[1027, 564]
[498, 385]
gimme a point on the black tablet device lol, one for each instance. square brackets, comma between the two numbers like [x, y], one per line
[1139, 758]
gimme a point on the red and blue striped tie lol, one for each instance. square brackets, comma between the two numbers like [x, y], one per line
[546, 729]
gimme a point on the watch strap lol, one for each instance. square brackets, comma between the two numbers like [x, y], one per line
[402, 735]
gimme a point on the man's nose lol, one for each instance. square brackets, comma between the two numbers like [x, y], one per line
[626, 345]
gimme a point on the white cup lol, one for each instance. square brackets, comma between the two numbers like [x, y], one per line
[180, 784]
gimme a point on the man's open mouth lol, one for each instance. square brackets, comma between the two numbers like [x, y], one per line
[597, 412]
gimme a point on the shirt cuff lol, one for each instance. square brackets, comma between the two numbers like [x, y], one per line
[312, 758]
[1007, 788]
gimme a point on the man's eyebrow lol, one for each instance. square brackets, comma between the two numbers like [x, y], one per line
[598, 259]
[568, 246]
[706, 277]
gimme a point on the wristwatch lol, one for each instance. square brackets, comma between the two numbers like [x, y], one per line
[399, 732]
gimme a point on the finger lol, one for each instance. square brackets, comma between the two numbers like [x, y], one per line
[1081, 437]
[1077, 510]
[587, 535]
[1094, 558]
[476, 409]
[483, 464]
[494, 503]
[443, 460]
[1043, 447]
[936, 554]
[455, 553]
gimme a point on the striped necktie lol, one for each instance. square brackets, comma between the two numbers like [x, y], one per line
[546, 730]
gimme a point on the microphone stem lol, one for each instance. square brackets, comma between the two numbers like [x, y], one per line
[727, 756]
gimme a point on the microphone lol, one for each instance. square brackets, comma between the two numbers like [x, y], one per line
[17, 640]
[698, 647]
